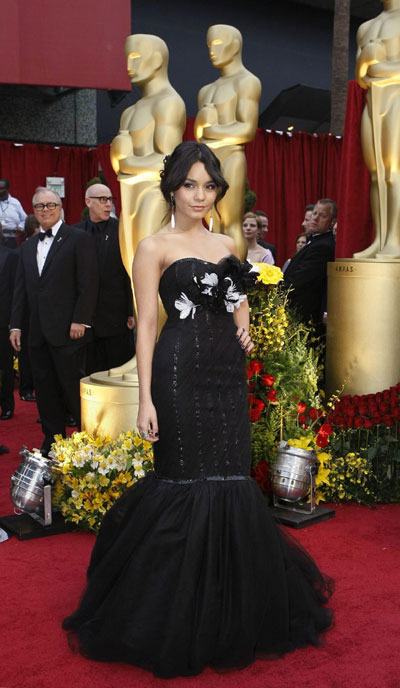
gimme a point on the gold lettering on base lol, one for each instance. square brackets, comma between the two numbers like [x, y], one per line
[345, 268]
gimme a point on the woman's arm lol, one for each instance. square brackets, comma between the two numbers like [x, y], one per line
[241, 317]
[146, 276]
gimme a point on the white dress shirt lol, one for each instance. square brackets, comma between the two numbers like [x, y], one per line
[44, 246]
[12, 215]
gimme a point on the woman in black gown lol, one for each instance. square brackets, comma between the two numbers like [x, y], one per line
[189, 568]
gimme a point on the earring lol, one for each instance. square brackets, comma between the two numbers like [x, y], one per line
[210, 226]
[172, 201]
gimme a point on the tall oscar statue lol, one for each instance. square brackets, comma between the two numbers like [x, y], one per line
[226, 120]
[363, 334]
[378, 71]
[149, 130]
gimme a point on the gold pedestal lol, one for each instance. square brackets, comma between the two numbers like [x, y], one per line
[109, 401]
[363, 327]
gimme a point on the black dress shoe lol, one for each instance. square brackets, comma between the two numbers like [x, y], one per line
[4, 449]
[28, 397]
[6, 415]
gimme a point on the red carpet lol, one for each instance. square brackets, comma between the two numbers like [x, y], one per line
[41, 581]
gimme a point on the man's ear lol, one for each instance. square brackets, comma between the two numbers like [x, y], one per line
[87, 201]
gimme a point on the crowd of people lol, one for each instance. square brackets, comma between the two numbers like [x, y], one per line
[80, 269]
[305, 273]
[68, 302]
[92, 327]
[219, 582]
[66, 307]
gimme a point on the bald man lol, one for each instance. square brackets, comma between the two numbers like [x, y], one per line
[113, 342]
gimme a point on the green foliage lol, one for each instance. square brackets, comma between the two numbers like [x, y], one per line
[283, 346]
[379, 450]
[250, 198]
[264, 434]
[358, 464]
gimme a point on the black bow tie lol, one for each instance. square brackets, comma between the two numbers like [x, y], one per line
[47, 233]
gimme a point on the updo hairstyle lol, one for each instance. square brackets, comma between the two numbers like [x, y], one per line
[178, 164]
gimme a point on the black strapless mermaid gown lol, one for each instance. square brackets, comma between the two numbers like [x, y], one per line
[189, 568]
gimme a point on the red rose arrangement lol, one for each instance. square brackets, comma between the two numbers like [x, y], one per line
[266, 393]
[368, 410]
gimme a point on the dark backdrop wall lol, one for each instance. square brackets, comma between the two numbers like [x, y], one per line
[284, 44]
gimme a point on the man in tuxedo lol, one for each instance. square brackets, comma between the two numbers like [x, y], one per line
[112, 343]
[306, 274]
[263, 233]
[57, 274]
[8, 266]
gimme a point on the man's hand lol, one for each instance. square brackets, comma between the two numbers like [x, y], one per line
[15, 339]
[130, 322]
[76, 331]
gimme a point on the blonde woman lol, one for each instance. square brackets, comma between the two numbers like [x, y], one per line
[251, 226]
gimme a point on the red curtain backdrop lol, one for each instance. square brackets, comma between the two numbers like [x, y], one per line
[355, 227]
[286, 171]
[27, 166]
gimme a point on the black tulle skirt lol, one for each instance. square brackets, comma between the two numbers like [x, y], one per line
[190, 569]
[188, 575]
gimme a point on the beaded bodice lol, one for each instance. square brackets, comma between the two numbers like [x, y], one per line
[198, 382]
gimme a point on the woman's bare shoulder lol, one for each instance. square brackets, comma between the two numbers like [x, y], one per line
[151, 250]
[152, 243]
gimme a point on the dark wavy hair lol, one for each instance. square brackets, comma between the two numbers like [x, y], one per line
[178, 164]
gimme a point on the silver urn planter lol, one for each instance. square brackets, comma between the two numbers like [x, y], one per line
[294, 475]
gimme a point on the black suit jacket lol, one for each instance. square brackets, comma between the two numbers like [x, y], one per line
[307, 274]
[64, 293]
[115, 299]
[8, 267]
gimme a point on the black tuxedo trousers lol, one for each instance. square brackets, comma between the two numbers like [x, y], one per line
[57, 371]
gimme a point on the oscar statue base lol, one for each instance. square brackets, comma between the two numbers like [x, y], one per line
[109, 401]
[363, 326]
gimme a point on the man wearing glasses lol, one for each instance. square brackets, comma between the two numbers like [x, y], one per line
[58, 278]
[113, 343]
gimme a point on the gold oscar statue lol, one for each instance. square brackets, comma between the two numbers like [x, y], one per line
[363, 325]
[149, 130]
[226, 120]
[378, 71]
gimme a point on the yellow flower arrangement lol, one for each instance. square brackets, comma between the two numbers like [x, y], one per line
[92, 472]
[350, 479]
[287, 366]
[268, 274]
[339, 478]
[324, 459]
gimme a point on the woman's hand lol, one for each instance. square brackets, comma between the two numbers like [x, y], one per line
[147, 422]
[244, 340]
